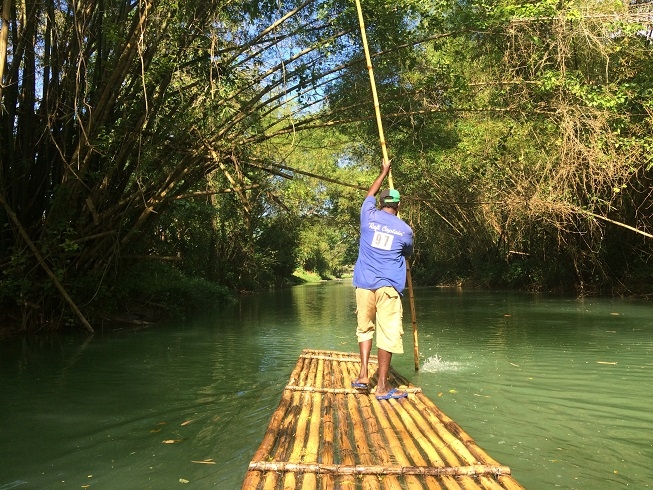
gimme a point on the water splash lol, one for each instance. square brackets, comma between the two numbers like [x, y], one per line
[435, 364]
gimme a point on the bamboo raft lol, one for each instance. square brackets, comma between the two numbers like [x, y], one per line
[327, 435]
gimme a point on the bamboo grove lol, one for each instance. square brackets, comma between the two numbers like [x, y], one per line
[220, 145]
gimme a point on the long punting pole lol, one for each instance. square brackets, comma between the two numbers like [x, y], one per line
[384, 150]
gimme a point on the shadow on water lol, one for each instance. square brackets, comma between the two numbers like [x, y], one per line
[556, 388]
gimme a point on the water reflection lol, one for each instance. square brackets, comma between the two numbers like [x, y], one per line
[556, 388]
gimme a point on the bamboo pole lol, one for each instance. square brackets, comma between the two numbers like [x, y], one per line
[331, 439]
[360, 438]
[345, 446]
[352, 356]
[509, 483]
[488, 483]
[375, 435]
[379, 470]
[4, 43]
[313, 443]
[415, 433]
[327, 423]
[285, 438]
[449, 456]
[384, 150]
[398, 430]
[315, 389]
[413, 316]
[300, 431]
[375, 98]
[394, 444]
[452, 434]
[264, 451]
[272, 433]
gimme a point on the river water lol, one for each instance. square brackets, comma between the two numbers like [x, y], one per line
[558, 389]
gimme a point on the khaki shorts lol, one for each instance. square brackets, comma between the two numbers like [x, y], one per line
[380, 310]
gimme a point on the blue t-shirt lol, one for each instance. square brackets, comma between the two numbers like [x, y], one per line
[384, 244]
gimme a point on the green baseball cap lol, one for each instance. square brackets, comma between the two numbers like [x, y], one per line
[389, 196]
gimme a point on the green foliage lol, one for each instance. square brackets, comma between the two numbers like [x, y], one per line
[277, 249]
[302, 276]
[190, 133]
[156, 291]
[15, 284]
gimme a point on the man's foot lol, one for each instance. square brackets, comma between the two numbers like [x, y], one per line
[361, 383]
[393, 394]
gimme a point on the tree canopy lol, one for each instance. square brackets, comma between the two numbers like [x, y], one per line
[227, 143]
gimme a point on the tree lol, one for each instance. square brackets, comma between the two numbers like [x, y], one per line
[114, 112]
[523, 140]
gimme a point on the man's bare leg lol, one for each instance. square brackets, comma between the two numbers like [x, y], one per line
[383, 387]
[365, 348]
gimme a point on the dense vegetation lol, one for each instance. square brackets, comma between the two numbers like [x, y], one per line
[166, 153]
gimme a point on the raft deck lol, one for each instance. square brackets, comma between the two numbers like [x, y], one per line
[327, 435]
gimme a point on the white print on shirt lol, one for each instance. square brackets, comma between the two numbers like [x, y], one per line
[376, 227]
[382, 240]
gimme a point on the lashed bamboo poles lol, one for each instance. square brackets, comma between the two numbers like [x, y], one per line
[300, 428]
[327, 422]
[395, 446]
[323, 436]
[363, 450]
[344, 429]
[374, 433]
[378, 470]
[384, 150]
[268, 443]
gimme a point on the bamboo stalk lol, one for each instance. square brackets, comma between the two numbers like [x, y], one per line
[285, 438]
[398, 451]
[489, 483]
[416, 458]
[445, 454]
[333, 438]
[4, 43]
[384, 150]
[394, 444]
[345, 447]
[312, 446]
[360, 439]
[453, 434]
[379, 470]
[264, 450]
[349, 357]
[509, 483]
[345, 391]
[390, 482]
[432, 483]
[328, 427]
[398, 430]
[375, 98]
[301, 427]
[413, 315]
[618, 223]
[271, 434]
[442, 430]
[416, 434]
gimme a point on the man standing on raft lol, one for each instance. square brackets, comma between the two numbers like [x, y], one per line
[380, 278]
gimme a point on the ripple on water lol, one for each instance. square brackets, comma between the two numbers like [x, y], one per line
[12, 484]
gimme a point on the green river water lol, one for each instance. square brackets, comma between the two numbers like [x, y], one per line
[558, 389]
